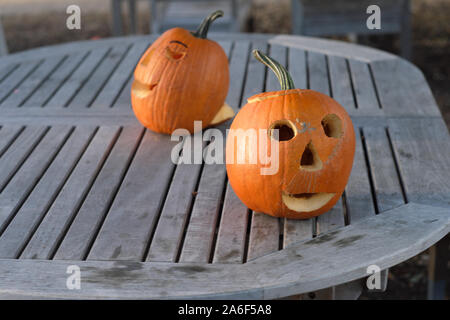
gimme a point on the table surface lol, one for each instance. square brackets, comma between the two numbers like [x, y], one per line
[82, 183]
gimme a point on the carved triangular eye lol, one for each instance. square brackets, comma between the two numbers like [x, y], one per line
[332, 126]
[285, 130]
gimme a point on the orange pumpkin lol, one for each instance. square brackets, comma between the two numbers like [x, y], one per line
[181, 78]
[316, 142]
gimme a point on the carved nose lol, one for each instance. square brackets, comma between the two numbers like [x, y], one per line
[310, 160]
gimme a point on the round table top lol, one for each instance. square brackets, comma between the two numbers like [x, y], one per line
[83, 184]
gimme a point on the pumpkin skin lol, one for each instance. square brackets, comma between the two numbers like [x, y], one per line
[180, 79]
[316, 150]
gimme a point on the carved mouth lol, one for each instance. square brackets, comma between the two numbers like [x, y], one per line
[142, 90]
[306, 202]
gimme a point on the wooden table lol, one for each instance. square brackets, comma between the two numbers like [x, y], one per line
[82, 183]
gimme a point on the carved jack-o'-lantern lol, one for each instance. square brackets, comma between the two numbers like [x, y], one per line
[316, 148]
[181, 78]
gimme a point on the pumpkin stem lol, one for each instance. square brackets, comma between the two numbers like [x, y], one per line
[282, 74]
[202, 30]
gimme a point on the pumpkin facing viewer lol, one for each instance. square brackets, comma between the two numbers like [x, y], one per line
[316, 149]
[181, 78]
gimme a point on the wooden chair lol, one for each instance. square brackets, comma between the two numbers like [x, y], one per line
[167, 14]
[3, 46]
[340, 17]
[117, 21]
[188, 14]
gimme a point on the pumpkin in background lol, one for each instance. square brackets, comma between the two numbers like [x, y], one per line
[316, 149]
[181, 78]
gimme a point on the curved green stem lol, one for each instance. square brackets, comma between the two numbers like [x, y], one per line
[202, 30]
[282, 74]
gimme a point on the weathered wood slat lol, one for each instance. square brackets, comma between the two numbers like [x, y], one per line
[297, 67]
[7, 135]
[238, 64]
[198, 242]
[127, 227]
[13, 158]
[48, 235]
[411, 96]
[422, 148]
[32, 82]
[6, 69]
[331, 220]
[230, 245]
[98, 78]
[332, 47]
[37, 203]
[388, 191]
[264, 235]
[226, 46]
[358, 191]
[341, 83]
[168, 236]
[300, 268]
[297, 230]
[26, 177]
[317, 72]
[84, 228]
[75, 46]
[77, 78]
[124, 99]
[173, 219]
[16, 77]
[363, 85]
[120, 76]
[47, 89]
[231, 237]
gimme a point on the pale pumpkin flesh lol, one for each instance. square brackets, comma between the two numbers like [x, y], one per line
[306, 202]
[225, 113]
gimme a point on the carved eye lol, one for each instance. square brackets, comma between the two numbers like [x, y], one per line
[286, 130]
[174, 55]
[332, 126]
[176, 50]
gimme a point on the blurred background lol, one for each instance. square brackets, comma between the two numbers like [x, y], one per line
[419, 30]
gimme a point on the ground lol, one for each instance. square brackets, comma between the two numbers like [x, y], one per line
[28, 26]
